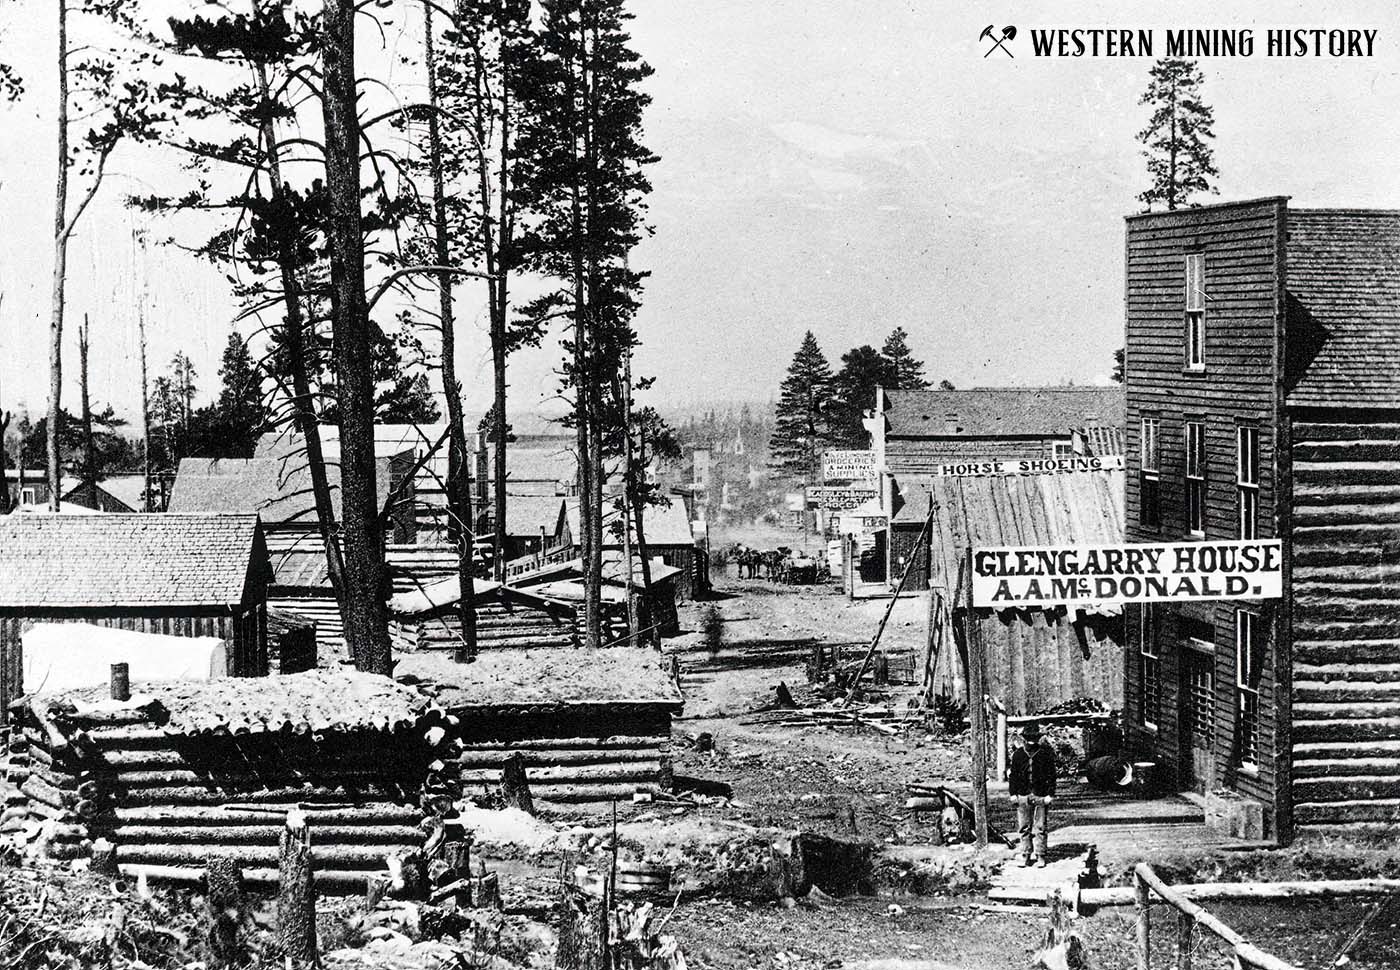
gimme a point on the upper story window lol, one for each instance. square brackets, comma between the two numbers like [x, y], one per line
[1247, 479]
[1062, 449]
[1150, 475]
[1195, 311]
[1196, 478]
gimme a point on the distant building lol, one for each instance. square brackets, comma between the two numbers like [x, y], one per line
[181, 575]
[1263, 400]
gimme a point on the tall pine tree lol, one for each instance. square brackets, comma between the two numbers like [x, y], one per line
[905, 372]
[804, 423]
[863, 369]
[1180, 161]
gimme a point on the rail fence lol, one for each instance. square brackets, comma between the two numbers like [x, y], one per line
[1188, 917]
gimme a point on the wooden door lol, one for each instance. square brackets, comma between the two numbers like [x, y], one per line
[1198, 715]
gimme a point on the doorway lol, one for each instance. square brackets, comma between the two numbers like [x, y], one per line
[1197, 714]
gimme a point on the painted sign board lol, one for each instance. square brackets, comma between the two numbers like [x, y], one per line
[838, 498]
[848, 466]
[1008, 577]
[1030, 466]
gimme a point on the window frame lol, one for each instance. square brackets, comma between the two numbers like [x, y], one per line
[28, 495]
[1060, 450]
[1149, 666]
[1195, 334]
[1248, 660]
[1202, 659]
[1194, 436]
[1247, 480]
[1150, 473]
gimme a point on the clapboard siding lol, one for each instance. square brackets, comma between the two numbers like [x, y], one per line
[1238, 387]
[1346, 622]
[922, 456]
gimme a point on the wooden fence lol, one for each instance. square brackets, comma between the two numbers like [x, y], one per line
[1188, 917]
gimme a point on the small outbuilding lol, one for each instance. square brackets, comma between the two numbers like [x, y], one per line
[428, 619]
[183, 771]
[178, 575]
[593, 725]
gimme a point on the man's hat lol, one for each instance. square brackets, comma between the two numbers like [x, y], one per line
[1031, 731]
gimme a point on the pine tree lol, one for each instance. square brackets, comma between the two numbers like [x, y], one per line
[1180, 160]
[241, 411]
[803, 422]
[863, 369]
[905, 373]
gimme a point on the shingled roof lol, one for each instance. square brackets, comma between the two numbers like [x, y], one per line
[1001, 411]
[1343, 280]
[277, 489]
[128, 560]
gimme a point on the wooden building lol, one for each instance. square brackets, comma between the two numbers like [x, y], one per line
[1036, 657]
[594, 725]
[669, 538]
[181, 575]
[506, 617]
[187, 770]
[535, 526]
[1263, 383]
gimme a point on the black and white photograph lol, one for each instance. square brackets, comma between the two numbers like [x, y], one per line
[699, 485]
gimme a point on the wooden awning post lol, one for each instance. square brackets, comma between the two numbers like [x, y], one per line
[976, 706]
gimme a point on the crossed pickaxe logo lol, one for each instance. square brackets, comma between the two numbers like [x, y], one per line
[1007, 33]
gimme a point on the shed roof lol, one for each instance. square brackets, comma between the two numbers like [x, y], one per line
[277, 489]
[546, 678]
[317, 700]
[527, 515]
[1343, 280]
[1066, 508]
[128, 560]
[549, 461]
[664, 525]
[1001, 411]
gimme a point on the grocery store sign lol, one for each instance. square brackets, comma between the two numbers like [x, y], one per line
[848, 466]
[1007, 577]
[837, 498]
[1030, 466]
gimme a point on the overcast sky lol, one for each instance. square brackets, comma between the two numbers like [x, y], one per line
[846, 166]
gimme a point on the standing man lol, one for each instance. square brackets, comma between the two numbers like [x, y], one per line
[1032, 787]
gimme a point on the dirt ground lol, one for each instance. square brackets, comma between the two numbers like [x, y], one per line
[850, 783]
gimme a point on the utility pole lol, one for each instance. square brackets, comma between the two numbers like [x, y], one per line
[89, 454]
[140, 235]
[976, 704]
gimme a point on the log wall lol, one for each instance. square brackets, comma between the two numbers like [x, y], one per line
[1346, 620]
[173, 800]
[571, 755]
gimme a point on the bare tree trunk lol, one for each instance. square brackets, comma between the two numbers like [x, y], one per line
[459, 470]
[366, 612]
[5, 418]
[60, 261]
[89, 452]
[145, 391]
[303, 404]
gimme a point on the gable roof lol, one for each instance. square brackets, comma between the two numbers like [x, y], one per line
[277, 489]
[1343, 281]
[1001, 411]
[128, 560]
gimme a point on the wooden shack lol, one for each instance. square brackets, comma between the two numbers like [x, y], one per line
[1035, 658]
[180, 575]
[186, 770]
[593, 725]
[429, 619]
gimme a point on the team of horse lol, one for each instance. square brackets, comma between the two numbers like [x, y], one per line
[781, 565]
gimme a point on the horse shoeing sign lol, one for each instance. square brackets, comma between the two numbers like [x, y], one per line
[1029, 466]
[1009, 577]
[848, 466]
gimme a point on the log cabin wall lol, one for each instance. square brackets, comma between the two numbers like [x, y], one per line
[572, 753]
[1346, 628]
[1183, 708]
[501, 622]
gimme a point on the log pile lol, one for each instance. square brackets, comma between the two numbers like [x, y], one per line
[183, 773]
[572, 769]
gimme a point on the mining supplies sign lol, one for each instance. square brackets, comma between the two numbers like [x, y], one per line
[1030, 466]
[1008, 577]
[839, 499]
[848, 466]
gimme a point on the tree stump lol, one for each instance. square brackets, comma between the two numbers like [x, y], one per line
[816, 664]
[515, 787]
[223, 880]
[104, 858]
[296, 896]
[583, 924]
[882, 670]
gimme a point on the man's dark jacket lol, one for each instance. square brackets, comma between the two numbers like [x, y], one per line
[1033, 771]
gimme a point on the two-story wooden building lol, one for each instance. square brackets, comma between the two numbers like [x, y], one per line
[1263, 401]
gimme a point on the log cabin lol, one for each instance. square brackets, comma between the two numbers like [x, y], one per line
[181, 575]
[594, 725]
[1263, 396]
[506, 617]
[182, 771]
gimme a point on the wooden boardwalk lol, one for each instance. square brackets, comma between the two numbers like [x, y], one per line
[1124, 830]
